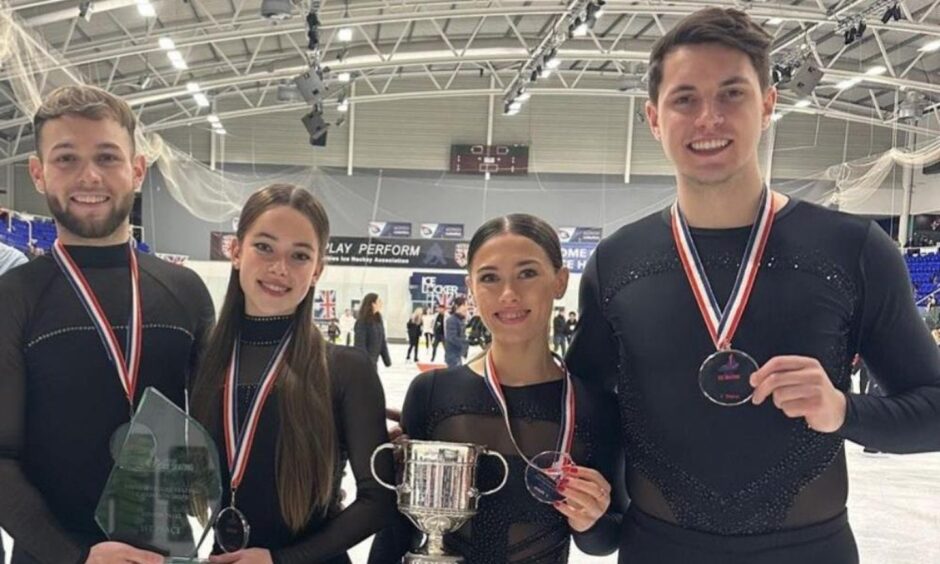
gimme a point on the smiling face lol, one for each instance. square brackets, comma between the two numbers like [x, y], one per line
[88, 172]
[277, 262]
[710, 113]
[514, 286]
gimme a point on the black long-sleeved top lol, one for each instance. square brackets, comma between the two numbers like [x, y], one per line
[510, 526]
[414, 331]
[60, 396]
[370, 337]
[359, 416]
[830, 285]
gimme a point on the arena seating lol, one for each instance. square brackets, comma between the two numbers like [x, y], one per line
[925, 272]
[19, 231]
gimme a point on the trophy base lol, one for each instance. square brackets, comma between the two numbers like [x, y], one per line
[412, 558]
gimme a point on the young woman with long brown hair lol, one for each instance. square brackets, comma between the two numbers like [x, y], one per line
[287, 409]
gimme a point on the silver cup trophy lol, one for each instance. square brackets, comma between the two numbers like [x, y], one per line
[438, 491]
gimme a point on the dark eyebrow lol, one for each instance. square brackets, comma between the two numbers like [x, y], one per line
[273, 238]
[526, 262]
[728, 82]
[70, 145]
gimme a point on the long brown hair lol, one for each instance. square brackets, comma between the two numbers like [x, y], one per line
[367, 313]
[306, 449]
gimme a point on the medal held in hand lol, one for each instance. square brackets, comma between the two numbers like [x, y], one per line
[543, 473]
[724, 377]
[546, 469]
[232, 530]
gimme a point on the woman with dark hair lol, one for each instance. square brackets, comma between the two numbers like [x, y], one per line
[287, 409]
[370, 330]
[519, 399]
[456, 344]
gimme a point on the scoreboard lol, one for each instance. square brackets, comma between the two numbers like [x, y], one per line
[494, 159]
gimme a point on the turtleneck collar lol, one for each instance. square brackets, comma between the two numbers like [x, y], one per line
[99, 257]
[263, 331]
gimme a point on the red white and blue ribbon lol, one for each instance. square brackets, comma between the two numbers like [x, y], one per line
[128, 367]
[566, 435]
[722, 324]
[238, 441]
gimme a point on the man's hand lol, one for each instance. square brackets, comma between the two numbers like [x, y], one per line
[800, 387]
[120, 553]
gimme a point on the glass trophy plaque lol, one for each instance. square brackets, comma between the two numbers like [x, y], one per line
[165, 489]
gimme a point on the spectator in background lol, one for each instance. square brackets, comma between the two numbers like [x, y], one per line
[438, 329]
[456, 345]
[333, 331]
[10, 258]
[571, 325]
[413, 327]
[347, 324]
[559, 339]
[370, 331]
[427, 325]
[478, 334]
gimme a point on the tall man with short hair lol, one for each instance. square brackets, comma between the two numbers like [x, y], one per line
[83, 331]
[727, 325]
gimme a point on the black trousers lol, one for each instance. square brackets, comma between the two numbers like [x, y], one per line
[437, 341]
[413, 346]
[647, 540]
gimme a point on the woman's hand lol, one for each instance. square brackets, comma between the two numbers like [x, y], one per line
[247, 556]
[587, 497]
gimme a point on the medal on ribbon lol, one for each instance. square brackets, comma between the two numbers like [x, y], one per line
[544, 470]
[127, 366]
[231, 526]
[724, 377]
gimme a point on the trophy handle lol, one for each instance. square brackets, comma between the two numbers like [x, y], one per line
[375, 475]
[505, 472]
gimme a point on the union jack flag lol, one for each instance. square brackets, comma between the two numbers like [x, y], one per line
[325, 304]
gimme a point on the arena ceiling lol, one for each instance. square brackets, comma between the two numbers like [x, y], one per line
[407, 49]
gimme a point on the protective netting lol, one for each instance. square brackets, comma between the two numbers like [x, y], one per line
[857, 182]
[33, 68]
